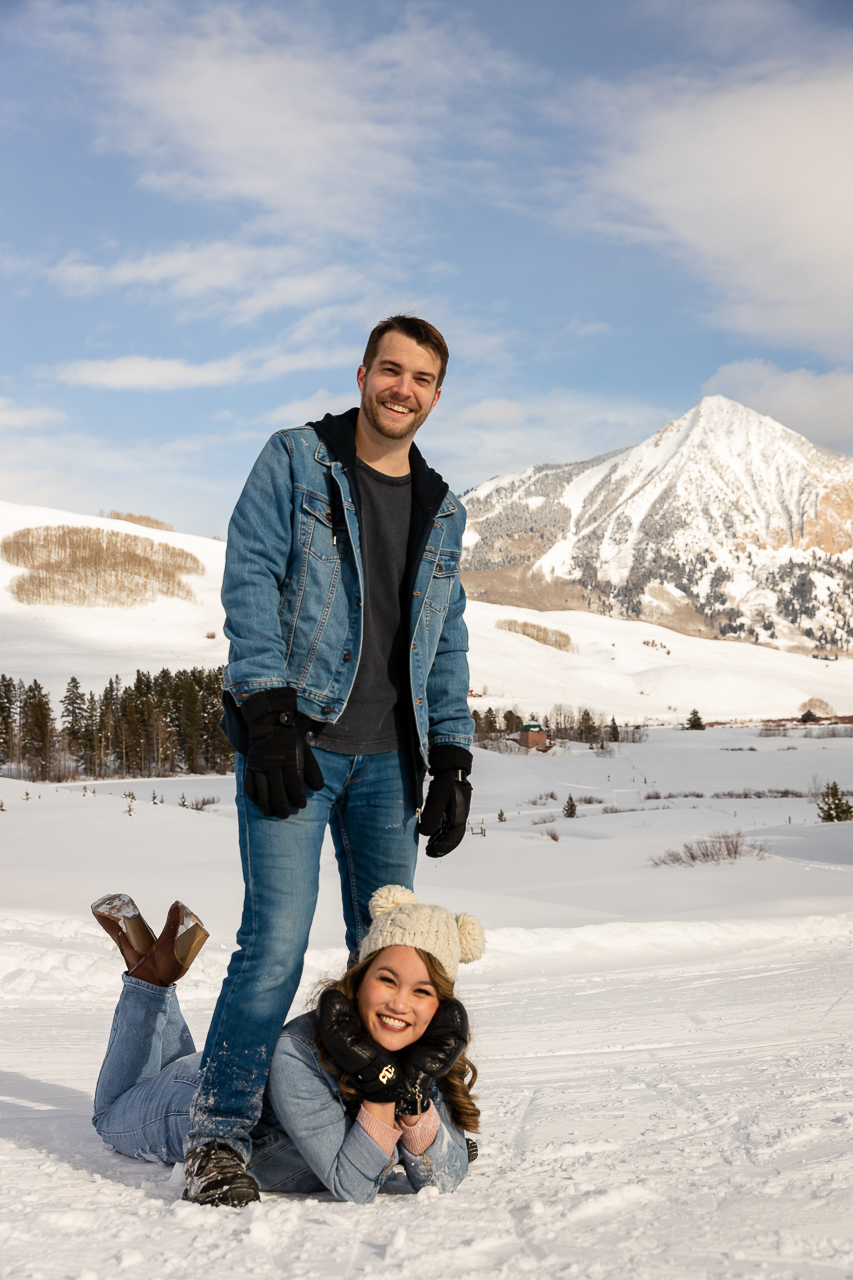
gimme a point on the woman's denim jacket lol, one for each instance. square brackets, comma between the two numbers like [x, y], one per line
[322, 1146]
[294, 584]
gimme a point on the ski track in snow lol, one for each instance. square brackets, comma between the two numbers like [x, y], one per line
[664, 1052]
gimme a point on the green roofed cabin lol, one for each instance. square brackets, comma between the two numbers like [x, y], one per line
[533, 735]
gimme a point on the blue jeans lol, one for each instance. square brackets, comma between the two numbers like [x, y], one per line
[369, 803]
[149, 1074]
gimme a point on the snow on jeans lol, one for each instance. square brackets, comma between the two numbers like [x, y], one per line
[368, 802]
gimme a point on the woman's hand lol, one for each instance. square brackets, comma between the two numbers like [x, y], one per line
[431, 1057]
[376, 1071]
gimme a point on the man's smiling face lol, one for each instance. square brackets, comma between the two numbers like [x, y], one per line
[400, 388]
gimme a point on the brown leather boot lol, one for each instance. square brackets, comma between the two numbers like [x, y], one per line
[182, 938]
[118, 914]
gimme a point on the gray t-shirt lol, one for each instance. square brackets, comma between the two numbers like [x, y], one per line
[376, 716]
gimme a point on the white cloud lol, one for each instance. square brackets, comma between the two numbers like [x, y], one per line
[487, 437]
[819, 405]
[749, 182]
[323, 133]
[13, 415]
[244, 281]
[154, 373]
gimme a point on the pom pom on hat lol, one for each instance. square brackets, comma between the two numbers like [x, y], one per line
[472, 937]
[399, 920]
[388, 897]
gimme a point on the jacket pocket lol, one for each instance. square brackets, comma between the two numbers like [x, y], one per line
[319, 533]
[444, 576]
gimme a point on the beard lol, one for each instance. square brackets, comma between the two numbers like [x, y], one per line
[408, 425]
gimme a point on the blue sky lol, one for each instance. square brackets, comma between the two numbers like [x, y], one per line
[609, 209]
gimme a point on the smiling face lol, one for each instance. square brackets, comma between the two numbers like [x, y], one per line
[397, 998]
[400, 388]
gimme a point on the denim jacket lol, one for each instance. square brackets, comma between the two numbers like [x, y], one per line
[294, 584]
[322, 1146]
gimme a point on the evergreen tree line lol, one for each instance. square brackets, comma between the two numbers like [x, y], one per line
[159, 725]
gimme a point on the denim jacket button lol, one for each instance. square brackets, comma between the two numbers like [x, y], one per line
[327, 711]
[347, 657]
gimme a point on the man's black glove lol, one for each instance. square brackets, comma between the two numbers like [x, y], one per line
[376, 1071]
[448, 801]
[432, 1056]
[279, 763]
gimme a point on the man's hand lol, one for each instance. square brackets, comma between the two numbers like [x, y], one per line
[432, 1056]
[448, 801]
[376, 1071]
[280, 762]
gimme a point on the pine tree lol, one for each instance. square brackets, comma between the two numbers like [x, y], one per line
[833, 806]
[501, 816]
[586, 727]
[613, 731]
[694, 720]
[570, 809]
[38, 731]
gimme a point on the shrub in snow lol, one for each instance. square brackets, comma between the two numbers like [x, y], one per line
[542, 635]
[832, 806]
[570, 809]
[719, 846]
[694, 720]
[501, 816]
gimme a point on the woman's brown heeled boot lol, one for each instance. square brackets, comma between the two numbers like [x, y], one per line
[170, 957]
[118, 914]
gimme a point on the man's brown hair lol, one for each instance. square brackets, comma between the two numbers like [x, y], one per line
[420, 331]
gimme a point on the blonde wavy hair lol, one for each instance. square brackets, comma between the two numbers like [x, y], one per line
[456, 1086]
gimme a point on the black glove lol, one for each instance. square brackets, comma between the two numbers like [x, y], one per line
[376, 1071]
[448, 801]
[432, 1056]
[280, 762]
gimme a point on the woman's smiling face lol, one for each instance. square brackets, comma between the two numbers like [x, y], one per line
[397, 999]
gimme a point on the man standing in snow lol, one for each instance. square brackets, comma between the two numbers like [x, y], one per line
[347, 679]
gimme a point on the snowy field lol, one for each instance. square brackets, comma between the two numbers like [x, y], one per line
[664, 1051]
[634, 670]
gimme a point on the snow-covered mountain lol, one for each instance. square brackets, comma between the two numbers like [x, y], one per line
[722, 523]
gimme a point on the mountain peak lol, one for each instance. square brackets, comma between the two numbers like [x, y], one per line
[721, 494]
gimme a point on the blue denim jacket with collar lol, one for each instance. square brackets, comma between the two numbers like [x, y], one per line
[294, 584]
[318, 1144]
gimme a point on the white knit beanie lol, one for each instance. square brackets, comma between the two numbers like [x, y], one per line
[399, 920]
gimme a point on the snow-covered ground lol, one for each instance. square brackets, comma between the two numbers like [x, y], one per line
[633, 670]
[664, 1051]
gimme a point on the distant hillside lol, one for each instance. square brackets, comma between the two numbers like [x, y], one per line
[724, 523]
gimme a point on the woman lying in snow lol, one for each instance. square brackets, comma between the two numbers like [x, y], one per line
[375, 1073]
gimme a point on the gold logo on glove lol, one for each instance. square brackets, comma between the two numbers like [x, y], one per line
[386, 1074]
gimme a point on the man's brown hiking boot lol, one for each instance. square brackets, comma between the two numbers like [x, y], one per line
[216, 1174]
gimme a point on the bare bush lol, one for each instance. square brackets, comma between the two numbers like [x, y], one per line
[614, 808]
[200, 803]
[652, 795]
[542, 798]
[834, 731]
[148, 521]
[77, 565]
[542, 635]
[719, 846]
[551, 833]
[588, 800]
[538, 822]
[773, 731]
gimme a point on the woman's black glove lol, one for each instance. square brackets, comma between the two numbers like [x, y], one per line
[279, 761]
[376, 1071]
[432, 1056]
[448, 801]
